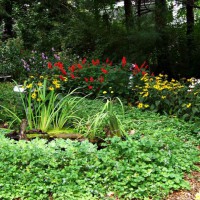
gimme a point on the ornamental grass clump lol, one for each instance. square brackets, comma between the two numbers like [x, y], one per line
[46, 109]
[105, 123]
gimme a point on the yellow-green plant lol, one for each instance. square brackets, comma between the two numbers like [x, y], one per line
[104, 123]
[12, 115]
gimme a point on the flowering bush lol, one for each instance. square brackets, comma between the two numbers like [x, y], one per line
[95, 78]
[168, 97]
[133, 83]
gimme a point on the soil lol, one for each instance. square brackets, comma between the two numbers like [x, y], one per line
[194, 180]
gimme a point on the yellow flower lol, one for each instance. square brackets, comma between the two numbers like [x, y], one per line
[140, 105]
[41, 76]
[146, 105]
[146, 94]
[151, 79]
[39, 84]
[111, 92]
[29, 86]
[51, 88]
[31, 76]
[188, 105]
[104, 92]
[65, 79]
[57, 85]
[173, 80]
[34, 95]
[197, 196]
[55, 82]
[163, 97]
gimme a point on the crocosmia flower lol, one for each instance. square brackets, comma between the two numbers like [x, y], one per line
[86, 79]
[91, 79]
[79, 66]
[62, 78]
[59, 65]
[101, 79]
[84, 61]
[63, 72]
[143, 73]
[104, 70]
[50, 65]
[72, 68]
[72, 76]
[123, 61]
[96, 62]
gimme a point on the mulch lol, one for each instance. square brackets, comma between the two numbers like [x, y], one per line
[194, 180]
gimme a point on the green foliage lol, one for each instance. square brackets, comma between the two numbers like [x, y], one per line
[9, 99]
[136, 168]
[10, 54]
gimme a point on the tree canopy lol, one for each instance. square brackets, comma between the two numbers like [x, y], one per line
[164, 33]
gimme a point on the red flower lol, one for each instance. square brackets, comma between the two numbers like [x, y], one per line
[110, 63]
[79, 66]
[152, 74]
[59, 65]
[61, 78]
[101, 79]
[72, 68]
[91, 79]
[72, 76]
[143, 73]
[144, 65]
[107, 60]
[97, 62]
[104, 70]
[86, 79]
[123, 61]
[63, 71]
[90, 87]
[50, 65]
[84, 61]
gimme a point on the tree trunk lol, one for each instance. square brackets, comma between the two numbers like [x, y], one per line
[190, 34]
[139, 2]
[128, 13]
[190, 16]
[8, 29]
[190, 21]
[162, 41]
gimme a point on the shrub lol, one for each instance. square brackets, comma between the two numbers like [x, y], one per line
[10, 53]
[11, 100]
